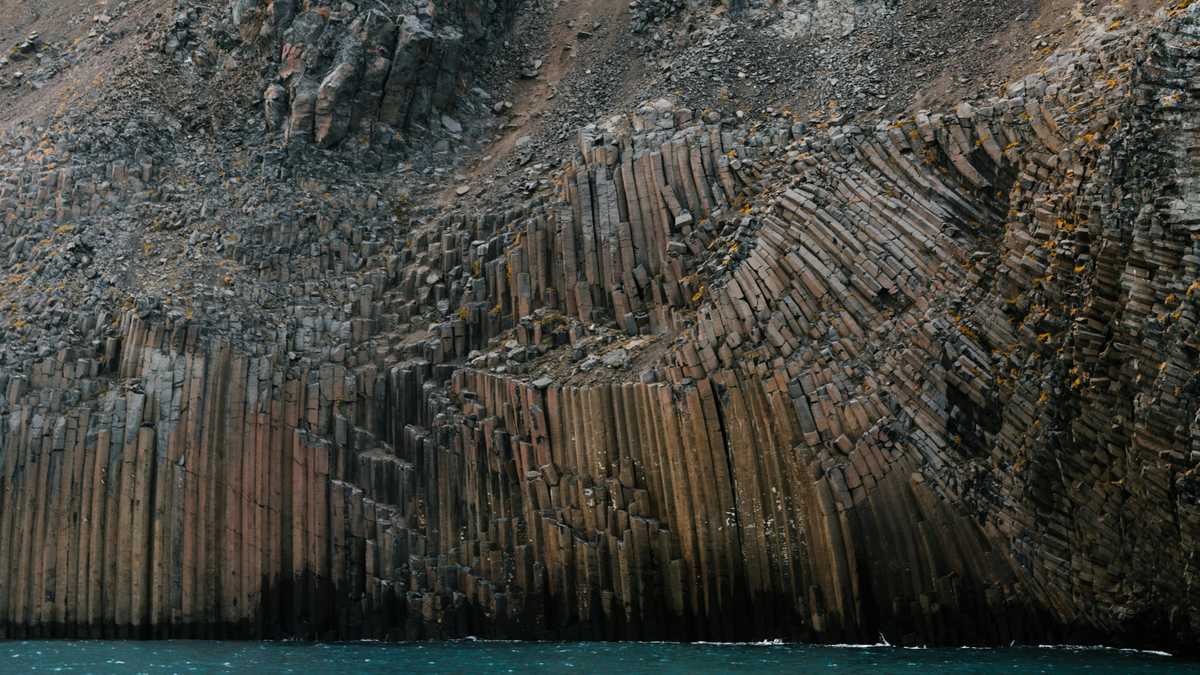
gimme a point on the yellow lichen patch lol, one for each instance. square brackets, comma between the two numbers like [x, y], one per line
[1179, 6]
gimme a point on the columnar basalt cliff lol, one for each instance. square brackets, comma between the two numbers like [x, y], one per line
[934, 379]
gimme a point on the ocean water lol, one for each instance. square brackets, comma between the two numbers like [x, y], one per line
[266, 658]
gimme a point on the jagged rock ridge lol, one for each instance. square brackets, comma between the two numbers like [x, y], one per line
[381, 68]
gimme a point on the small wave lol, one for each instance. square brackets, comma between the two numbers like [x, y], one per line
[1104, 648]
[842, 645]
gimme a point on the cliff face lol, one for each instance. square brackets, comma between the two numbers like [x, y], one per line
[933, 380]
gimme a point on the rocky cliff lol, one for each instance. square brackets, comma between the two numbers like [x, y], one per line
[700, 375]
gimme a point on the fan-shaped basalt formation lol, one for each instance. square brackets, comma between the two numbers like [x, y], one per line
[933, 380]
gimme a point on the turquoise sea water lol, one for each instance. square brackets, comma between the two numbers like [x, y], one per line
[266, 658]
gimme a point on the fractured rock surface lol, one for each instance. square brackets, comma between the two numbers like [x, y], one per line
[348, 68]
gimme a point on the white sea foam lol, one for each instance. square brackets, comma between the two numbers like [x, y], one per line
[761, 643]
[1103, 648]
[842, 645]
[882, 644]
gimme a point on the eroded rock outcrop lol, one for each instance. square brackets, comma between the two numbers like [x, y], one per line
[378, 68]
